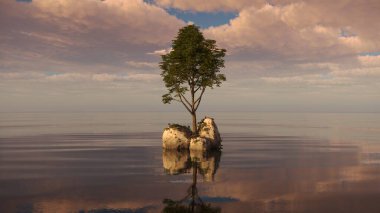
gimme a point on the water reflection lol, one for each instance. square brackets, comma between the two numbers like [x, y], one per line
[178, 162]
[105, 173]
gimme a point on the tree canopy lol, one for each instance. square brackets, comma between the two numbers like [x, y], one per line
[191, 66]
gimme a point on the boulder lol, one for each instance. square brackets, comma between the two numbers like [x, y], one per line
[176, 137]
[200, 144]
[209, 130]
[180, 137]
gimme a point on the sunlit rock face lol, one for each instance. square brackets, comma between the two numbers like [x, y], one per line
[209, 130]
[200, 144]
[180, 137]
[176, 137]
[176, 162]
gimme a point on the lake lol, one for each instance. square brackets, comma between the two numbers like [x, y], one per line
[113, 162]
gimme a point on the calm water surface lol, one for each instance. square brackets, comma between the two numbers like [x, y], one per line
[113, 162]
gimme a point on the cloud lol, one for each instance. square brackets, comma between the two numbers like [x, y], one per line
[66, 77]
[369, 72]
[281, 31]
[77, 77]
[337, 76]
[113, 33]
[160, 52]
[144, 77]
[142, 64]
[9, 76]
[320, 66]
[310, 80]
[47, 35]
[131, 21]
[50, 39]
[370, 60]
[115, 43]
[302, 43]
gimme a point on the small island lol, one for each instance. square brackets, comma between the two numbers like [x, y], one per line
[192, 66]
[179, 137]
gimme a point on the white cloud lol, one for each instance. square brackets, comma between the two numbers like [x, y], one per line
[310, 80]
[335, 77]
[131, 21]
[144, 77]
[105, 77]
[320, 66]
[49, 35]
[370, 60]
[300, 30]
[354, 42]
[160, 52]
[142, 64]
[78, 77]
[65, 77]
[277, 30]
[50, 39]
[372, 73]
[9, 76]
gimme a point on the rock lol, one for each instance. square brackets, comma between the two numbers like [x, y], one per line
[176, 162]
[176, 137]
[179, 137]
[209, 130]
[200, 144]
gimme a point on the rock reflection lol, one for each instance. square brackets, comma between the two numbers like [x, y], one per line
[176, 162]
[207, 163]
[180, 162]
[204, 163]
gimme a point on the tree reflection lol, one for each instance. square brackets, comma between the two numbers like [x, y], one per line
[178, 162]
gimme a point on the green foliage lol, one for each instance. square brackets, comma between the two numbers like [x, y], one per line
[193, 65]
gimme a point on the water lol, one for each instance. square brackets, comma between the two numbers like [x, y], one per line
[113, 162]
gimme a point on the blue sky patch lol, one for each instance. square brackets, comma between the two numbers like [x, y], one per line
[203, 19]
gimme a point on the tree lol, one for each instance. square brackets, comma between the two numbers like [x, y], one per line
[191, 66]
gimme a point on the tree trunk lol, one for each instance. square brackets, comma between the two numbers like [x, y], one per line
[194, 123]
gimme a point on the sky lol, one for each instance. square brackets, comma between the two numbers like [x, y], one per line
[282, 55]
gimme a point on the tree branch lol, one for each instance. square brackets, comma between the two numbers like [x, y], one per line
[196, 90]
[199, 98]
[180, 95]
[184, 104]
